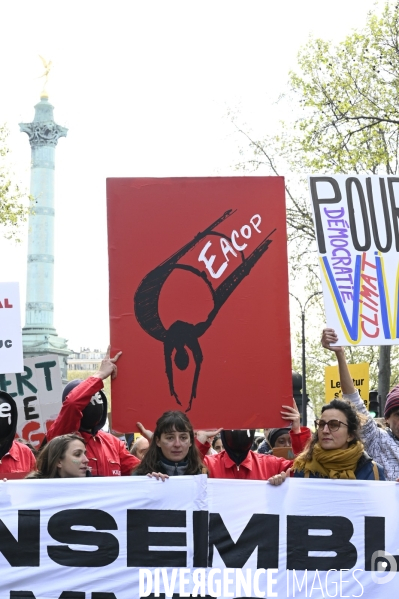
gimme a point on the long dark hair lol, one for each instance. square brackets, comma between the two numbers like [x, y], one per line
[51, 454]
[171, 421]
[353, 422]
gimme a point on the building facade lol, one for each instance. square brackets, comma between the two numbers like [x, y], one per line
[86, 360]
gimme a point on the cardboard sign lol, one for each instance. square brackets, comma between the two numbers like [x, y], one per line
[11, 353]
[360, 376]
[357, 234]
[37, 392]
[199, 300]
[284, 452]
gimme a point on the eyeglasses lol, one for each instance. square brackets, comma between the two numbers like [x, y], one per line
[333, 425]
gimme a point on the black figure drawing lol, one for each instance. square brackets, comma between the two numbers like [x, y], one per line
[181, 336]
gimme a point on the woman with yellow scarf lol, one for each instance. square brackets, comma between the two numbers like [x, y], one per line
[335, 450]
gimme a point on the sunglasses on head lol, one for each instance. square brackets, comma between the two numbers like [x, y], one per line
[333, 425]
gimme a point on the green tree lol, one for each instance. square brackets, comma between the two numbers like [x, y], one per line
[346, 96]
[13, 208]
[349, 97]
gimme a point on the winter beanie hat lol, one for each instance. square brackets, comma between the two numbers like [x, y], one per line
[392, 401]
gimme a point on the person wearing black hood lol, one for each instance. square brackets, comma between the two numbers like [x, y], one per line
[84, 411]
[14, 457]
[238, 461]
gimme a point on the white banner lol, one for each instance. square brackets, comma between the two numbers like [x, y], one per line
[37, 391]
[357, 232]
[11, 354]
[136, 537]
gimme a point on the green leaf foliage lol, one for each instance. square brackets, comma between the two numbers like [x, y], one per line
[349, 99]
[342, 116]
[13, 209]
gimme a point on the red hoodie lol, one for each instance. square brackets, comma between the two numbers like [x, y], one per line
[107, 455]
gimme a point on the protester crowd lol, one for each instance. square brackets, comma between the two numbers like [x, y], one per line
[347, 443]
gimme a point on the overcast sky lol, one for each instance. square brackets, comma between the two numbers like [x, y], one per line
[144, 89]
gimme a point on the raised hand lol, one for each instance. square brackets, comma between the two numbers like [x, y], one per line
[108, 365]
[145, 431]
[207, 436]
[329, 336]
[291, 413]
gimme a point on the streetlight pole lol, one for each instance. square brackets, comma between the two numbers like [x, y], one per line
[303, 310]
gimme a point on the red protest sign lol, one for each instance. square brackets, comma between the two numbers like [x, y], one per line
[199, 300]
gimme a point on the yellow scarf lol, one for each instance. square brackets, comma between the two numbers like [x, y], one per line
[333, 463]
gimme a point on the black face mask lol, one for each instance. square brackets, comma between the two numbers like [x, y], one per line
[6, 427]
[239, 440]
[92, 413]
[237, 443]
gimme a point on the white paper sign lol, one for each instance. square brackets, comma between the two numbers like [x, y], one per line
[37, 391]
[357, 232]
[133, 537]
[11, 352]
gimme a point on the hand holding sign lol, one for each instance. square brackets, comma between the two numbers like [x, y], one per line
[158, 476]
[108, 366]
[207, 435]
[329, 336]
[291, 413]
[145, 431]
[278, 479]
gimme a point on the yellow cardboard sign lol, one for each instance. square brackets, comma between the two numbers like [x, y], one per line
[360, 376]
